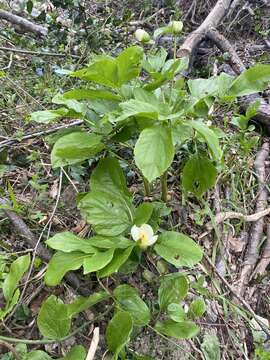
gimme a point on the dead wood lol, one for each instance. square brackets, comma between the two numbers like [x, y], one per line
[252, 253]
[24, 231]
[23, 23]
[214, 18]
[264, 257]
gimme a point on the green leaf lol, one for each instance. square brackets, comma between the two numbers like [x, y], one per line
[130, 301]
[103, 72]
[119, 258]
[114, 72]
[37, 355]
[60, 264]
[129, 64]
[109, 214]
[162, 31]
[176, 312]
[196, 309]
[179, 330]
[209, 136]
[173, 289]
[83, 303]
[118, 332]
[214, 86]
[97, 261]
[211, 348]
[48, 116]
[53, 320]
[181, 133]
[110, 242]
[74, 148]
[143, 213]
[199, 175]
[71, 104]
[251, 81]
[178, 249]
[154, 151]
[16, 272]
[109, 176]
[108, 207]
[68, 242]
[90, 94]
[155, 62]
[76, 353]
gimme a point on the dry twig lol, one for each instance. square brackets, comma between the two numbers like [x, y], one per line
[94, 344]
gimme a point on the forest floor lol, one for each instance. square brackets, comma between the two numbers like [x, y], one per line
[28, 83]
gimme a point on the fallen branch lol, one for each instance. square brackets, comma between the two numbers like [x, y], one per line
[264, 257]
[38, 53]
[223, 216]
[214, 18]
[252, 254]
[9, 142]
[23, 23]
[42, 251]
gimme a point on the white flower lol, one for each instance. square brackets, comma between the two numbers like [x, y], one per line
[144, 235]
[142, 36]
[176, 27]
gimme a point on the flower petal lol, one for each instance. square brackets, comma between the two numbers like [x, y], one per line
[135, 232]
[152, 240]
[147, 229]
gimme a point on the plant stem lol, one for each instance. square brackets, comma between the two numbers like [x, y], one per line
[164, 187]
[147, 189]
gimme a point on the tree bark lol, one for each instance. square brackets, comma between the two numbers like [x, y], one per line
[23, 23]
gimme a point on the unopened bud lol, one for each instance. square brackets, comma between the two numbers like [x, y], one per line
[176, 27]
[142, 36]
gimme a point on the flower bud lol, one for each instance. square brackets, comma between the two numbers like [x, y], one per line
[176, 27]
[142, 36]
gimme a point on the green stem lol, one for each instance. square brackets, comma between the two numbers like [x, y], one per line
[147, 189]
[46, 341]
[164, 187]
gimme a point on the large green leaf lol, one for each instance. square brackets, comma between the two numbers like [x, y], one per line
[214, 86]
[109, 176]
[119, 258]
[114, 72]
[110, 242]
[48, 116]
[90, 94]
[179, 330]
[108, 207]
[16, 271]
[130, 301]
[209, 136]
[176, 312]
[155, 62]
[199, 175]
[97, 261]
[129, 64]
[178, 249]
[71, 104]
[118, 332]
[53, 320]
[154, 151]
[68, 242]
[74, 148]
[108, 213]
[82, 303]
[143, 213]
[103, 71]
[61, 263]
[173, 289]
[251, 81]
